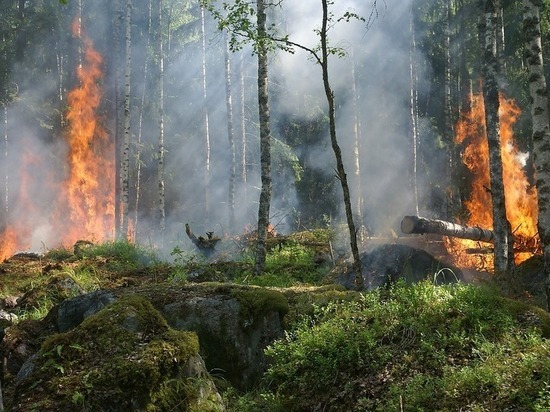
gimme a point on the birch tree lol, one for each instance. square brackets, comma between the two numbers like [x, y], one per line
[125, 150]
[503, 251]
[206, 123]
[160, 148]
[541, 128]
[230, 136]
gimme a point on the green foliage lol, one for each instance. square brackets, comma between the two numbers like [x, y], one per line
[429, 347]
[120, 255]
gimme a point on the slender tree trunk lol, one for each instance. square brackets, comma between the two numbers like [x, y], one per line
[206, 121]
[125, 165]
[504, 256]
[413, 109]
[359, 282]
[541, 126]
[6, 196]
[449, 132]
[119, 116]
[160, 154]
[140, 122]
[501, 45]
[265, 140]
[357, 149]
[231, 138]
[243, 171]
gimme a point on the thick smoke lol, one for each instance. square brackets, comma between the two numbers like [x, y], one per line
[379, 53]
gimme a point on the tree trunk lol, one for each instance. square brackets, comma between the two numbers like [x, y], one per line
[125, 155]
[206, 121]
[504, 256]
[265, 139]
[448, 110]
[140, 123]
[541, 126]
[243, 172]
[359, 282]
[357, 149]
[420, 225]
[501, 44]
[6, 197]
[413, 110]
[160, 154]
[118, 129]
[230, 137]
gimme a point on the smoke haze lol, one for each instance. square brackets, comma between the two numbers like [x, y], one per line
[379, 55]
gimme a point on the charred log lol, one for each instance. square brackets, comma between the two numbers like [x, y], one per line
[201, 242]
[416, 224]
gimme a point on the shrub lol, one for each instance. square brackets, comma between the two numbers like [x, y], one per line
[422, 347]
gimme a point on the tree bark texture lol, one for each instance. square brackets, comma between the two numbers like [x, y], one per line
[359, 281]
[119, 116]
[125, 155]
[205, 120]
[504, 256]
[421, 225]
[160, 154]
[265, 140]
[541, 126]
[230, 137]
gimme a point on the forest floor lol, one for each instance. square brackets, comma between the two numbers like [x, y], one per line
[424, 347]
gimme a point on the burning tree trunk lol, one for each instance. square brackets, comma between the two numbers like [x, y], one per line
[541, 126]
[420, 225]
[504, 256]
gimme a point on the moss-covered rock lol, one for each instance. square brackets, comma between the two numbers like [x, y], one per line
[125, 357]
[234, 323]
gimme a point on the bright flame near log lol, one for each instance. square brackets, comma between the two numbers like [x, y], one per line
[521, 198]
[83, 207]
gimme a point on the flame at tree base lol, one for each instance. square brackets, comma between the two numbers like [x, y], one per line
[81, 204]
[521, 198]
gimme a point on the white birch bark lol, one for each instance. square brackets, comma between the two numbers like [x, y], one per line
[541, 129]
[125, 150]
[160, 154]
[503, 251]
[230, 137]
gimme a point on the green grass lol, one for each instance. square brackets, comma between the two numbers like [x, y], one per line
[424, 347]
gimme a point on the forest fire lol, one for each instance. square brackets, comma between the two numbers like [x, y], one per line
[82, 205]
[521, 198]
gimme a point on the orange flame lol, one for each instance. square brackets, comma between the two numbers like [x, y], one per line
[521, 198]
[89, 189]
[84, 205]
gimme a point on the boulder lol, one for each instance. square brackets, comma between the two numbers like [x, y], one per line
[124, 357]
[387, 263]
[234, 328]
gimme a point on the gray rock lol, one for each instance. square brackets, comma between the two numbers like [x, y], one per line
[231, 344]
[388, 263]
[71, 312]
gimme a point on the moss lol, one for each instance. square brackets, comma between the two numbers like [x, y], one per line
[302, 301]
[122, 355]
[258, 301]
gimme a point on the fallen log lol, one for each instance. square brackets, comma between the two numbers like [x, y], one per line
[421, 225]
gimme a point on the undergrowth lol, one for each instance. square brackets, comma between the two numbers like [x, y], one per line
[417, 348]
